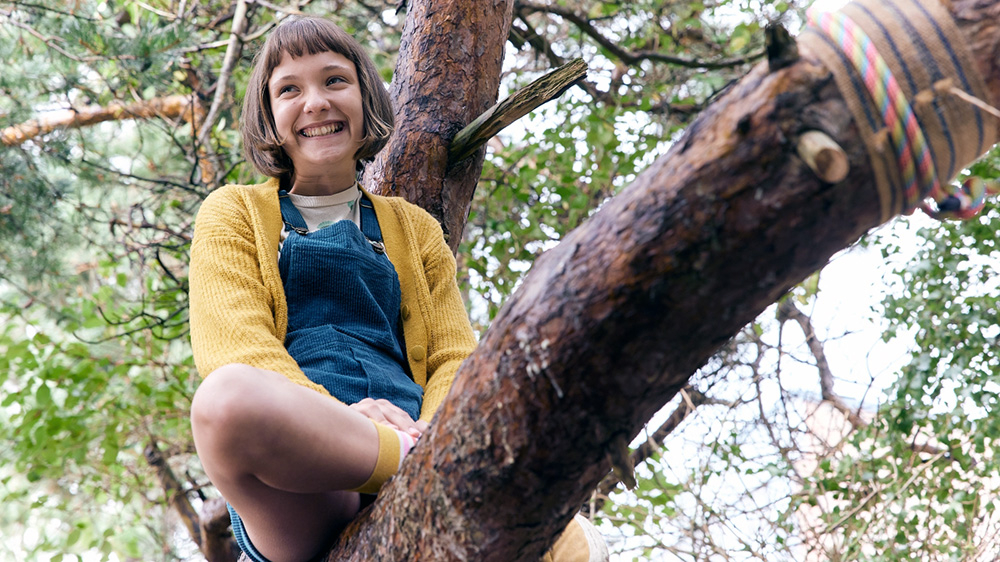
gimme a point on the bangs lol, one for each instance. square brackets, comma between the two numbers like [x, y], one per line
[307, 37]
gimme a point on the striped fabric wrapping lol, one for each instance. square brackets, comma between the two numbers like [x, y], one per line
[895, 63]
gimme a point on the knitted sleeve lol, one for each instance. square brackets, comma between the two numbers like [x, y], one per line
[449, 339]
[232, 311]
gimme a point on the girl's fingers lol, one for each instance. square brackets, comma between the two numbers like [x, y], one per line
[385, 412]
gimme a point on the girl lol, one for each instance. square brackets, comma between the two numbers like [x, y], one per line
[327, 320]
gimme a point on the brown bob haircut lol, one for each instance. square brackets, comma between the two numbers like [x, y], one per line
[299, 37]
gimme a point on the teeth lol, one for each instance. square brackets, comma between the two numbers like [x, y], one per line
[324, 130]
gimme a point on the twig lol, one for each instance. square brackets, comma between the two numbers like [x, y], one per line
[877, 492]
[276, 8]
[974, 101]
[787, 309]
[161, 13]
[49, 41]
[691, 399]
[53, 10]
[637, 56]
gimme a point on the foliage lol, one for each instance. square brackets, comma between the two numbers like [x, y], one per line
[95, 224]
[549, 174]
[928, 456]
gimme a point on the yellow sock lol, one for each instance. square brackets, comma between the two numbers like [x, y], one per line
[393, 447]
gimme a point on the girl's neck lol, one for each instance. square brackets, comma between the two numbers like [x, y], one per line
[323, 185]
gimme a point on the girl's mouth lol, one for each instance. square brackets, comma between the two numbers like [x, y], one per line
[323, 130]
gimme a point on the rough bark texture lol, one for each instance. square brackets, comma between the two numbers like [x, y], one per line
[448, 72]
[612, 322]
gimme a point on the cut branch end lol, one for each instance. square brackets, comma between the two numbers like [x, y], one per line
[823, 156]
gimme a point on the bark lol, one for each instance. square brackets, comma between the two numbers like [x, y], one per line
[611, 323]
[447, 74]
[218, 544]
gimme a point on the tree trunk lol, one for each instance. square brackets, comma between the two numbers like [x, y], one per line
[447, 74]
[608, 325]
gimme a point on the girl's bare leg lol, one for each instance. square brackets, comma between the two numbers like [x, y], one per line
[280, 453]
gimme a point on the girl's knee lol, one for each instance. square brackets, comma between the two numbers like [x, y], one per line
[223, 400]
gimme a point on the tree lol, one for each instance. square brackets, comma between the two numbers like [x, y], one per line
[657, 298]
[632, 287]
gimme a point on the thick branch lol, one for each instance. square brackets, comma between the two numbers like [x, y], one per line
[611, 323]
[168, 107]
[525, 100]
[218, 544]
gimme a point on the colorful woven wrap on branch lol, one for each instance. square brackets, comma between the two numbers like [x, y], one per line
[925, 51]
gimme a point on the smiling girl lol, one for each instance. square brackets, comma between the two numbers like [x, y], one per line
[326, 320]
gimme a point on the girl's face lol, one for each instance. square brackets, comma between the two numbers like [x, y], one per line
[318, 114]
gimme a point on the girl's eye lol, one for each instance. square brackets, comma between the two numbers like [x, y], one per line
[285, 89]
[334, 80]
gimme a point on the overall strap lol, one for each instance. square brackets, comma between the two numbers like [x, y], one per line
[290, 214]
[369, 225]
[369, 222]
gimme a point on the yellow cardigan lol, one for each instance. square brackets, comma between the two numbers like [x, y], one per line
[238, 308]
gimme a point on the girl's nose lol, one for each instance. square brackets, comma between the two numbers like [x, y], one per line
[315, 101]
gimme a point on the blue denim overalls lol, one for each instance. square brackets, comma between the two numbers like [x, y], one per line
[344, 329]
[343, 300]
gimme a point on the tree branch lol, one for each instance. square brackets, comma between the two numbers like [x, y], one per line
[222, 84]
[540, 44]
[692, 399]
[167, 107]
[517, 105]
[629, 57]
[218, 544]
[611, 323]
[788, 310]
[174, 492]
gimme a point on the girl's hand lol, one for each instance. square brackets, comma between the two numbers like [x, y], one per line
[385, 412]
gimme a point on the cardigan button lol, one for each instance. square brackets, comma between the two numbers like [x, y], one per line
[405, 312]
[417, 353]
